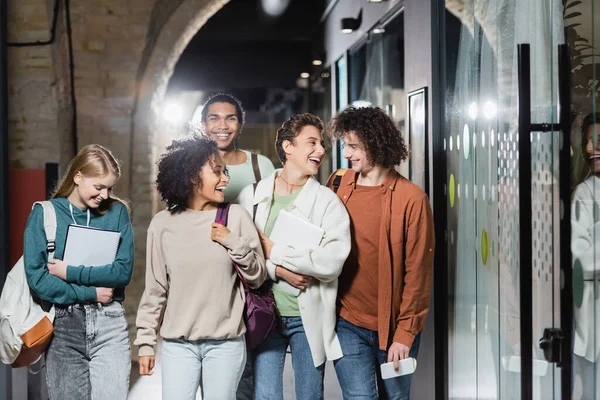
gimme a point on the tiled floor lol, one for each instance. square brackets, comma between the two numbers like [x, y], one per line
[149, 387]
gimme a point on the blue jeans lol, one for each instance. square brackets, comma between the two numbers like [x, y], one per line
[358, 371]
[219, 363]
[89, 356]
[270, 358]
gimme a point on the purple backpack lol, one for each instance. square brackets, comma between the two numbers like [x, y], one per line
[260, 314]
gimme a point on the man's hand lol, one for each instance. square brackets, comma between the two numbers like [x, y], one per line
[58, 268]
[146, 365]
[396, 352]
[297, 280]
[219, 232]
[267, 245]
[104, 295]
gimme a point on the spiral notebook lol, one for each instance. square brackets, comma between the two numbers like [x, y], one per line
[91, 247]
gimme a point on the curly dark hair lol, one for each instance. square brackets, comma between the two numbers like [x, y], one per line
[179, 169]
[376, 131]
[224, 98]
[291, 128]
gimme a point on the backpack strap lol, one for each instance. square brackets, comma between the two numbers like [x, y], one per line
[338, 178]
[49, 227]
[255, 168]
[222, 213]
[221, 218]
[257, 178]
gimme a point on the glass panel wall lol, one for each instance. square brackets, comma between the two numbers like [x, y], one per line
[376, 71]
[482, 141]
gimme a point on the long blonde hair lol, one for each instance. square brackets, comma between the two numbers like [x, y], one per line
[92, 161]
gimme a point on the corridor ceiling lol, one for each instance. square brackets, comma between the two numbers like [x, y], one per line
[242, 48]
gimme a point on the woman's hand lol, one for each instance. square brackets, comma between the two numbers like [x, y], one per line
[104, 295]
[146, 365]
[58, 268]
[267, 245]
[219, 232]
[297, 280]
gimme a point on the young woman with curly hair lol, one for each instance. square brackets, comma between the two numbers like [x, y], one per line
[193, 293]
[89, 355]
[304, 280]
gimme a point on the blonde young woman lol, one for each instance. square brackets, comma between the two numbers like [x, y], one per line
[89, 354]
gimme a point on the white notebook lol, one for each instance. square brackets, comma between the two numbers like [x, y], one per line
[91, 247]
[295, 232]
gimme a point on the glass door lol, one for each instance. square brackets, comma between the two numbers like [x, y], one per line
[505, 235]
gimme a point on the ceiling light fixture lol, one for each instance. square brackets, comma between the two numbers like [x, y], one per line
[350, 25]
[305, 75]
[317, 62]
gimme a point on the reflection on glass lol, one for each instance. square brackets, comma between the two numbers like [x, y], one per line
[484, 286]
[585, 247]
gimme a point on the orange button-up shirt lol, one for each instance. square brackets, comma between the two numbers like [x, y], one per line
[405, 259]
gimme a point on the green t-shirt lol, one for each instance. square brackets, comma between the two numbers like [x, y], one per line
[242, 175]
[287, 304]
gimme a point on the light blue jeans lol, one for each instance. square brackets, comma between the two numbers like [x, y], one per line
[89, 356]
[219, 363]
[270, 359]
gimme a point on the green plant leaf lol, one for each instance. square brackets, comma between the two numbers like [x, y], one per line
[572, 26]
[573, 4]
[573, 15]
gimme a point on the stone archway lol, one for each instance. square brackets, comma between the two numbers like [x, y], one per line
[162, 53]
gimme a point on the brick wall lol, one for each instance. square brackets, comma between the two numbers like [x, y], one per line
[124, 53]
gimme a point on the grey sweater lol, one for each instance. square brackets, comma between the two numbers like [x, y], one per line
[192, 289]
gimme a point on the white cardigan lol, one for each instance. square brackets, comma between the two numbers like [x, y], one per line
[585, 246]
[320, 206]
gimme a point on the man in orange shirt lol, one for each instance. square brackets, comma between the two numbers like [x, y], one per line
[385, 285]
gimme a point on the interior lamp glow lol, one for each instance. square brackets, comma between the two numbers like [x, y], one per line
[489, 110]
[173, 113]
[473, 111]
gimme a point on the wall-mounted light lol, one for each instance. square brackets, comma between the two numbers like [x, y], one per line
[305, 75]
[350, 25]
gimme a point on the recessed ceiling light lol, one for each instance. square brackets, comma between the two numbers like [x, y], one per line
[317, 62]
[305, 75]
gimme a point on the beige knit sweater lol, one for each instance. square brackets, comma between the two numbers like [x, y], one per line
[192, 289]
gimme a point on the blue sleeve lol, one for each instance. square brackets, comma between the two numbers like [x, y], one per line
[115, 275]
[47, 287]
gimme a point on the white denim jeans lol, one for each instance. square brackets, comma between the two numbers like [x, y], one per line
[219, 363]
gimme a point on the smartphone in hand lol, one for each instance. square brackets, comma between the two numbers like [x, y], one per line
[406, 366]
